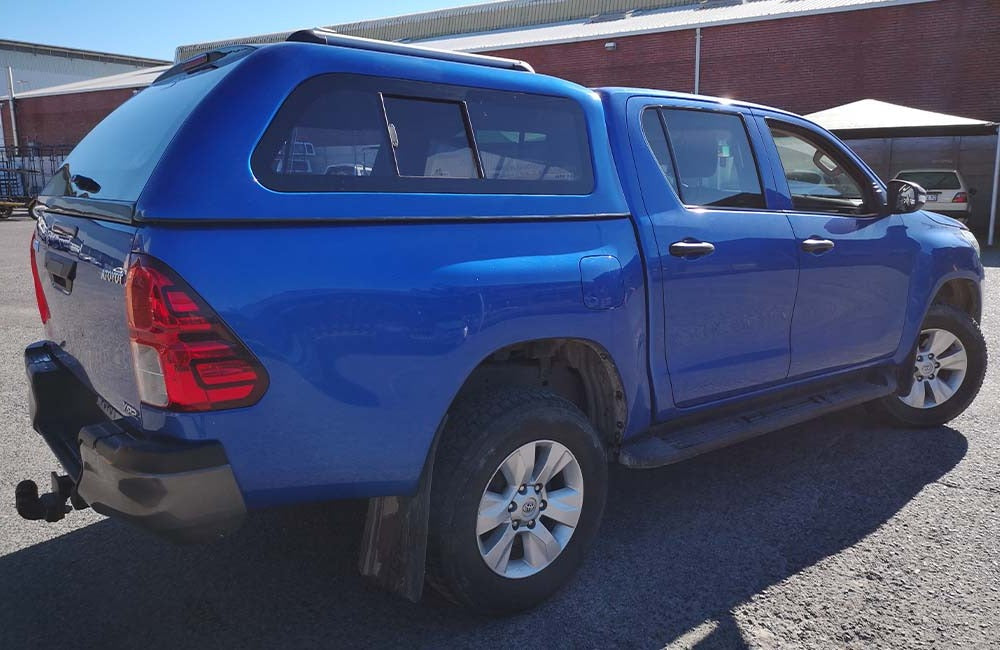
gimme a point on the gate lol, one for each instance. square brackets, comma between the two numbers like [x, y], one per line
[24, 171]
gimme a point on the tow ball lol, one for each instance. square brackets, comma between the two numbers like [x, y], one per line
[51, 506]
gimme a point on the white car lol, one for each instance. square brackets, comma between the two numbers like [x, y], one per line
[947, 191]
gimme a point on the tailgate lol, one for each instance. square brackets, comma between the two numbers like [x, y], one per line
[80, 263]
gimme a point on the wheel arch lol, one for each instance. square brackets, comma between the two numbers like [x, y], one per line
[579, 369]
[960, 292]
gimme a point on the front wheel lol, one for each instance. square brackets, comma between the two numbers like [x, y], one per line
[948, 371]
[517, 495]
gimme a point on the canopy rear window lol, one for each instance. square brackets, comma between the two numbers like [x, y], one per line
[117, 157]
[343, 132]
[943, 180]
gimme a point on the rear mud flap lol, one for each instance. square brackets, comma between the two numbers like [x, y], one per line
[394, 543]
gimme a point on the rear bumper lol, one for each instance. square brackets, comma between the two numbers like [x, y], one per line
[182, 490]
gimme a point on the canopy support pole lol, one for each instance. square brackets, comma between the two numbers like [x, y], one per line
[993, 199]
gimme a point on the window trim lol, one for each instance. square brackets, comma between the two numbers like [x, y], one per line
[280, 122]
[839, 156]
[659, 108]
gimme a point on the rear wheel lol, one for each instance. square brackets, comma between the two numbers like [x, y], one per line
[517, 496]
[948, 371]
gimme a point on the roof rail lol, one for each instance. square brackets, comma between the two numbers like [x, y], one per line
[328, 37]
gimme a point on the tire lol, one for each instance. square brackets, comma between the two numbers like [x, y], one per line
[941, 321]
[483, 441]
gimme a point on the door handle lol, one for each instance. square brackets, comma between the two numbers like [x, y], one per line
[691, 249]
[817, 245]
[62, 269]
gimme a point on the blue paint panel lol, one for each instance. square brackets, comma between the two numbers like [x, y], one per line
[367, 338]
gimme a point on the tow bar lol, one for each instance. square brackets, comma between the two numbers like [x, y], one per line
[51, 506]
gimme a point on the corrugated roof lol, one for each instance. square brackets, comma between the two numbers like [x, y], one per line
[522, 23]
[133, 79]
[499, 15]
[653, 21]
[58, 50]
[873, 114]
[461, 20]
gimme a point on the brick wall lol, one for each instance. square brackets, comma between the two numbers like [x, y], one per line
[60, 119]
[940, 56]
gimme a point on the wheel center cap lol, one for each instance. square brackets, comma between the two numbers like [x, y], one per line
[926, 368]
[528, 508]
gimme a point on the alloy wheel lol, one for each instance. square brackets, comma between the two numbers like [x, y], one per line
[529, 509]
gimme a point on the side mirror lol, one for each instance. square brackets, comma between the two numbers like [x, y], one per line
[904, 197]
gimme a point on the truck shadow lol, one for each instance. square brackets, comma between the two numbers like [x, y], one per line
[679, 546]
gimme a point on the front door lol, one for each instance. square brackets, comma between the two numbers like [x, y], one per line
[855, 265]
[729, 265]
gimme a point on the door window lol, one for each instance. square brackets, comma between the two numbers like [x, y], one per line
[819, 178]
[714, 162]
[932, 180]
[652, 128]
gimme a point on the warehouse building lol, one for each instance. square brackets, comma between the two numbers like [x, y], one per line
[25, 68]
[801, 55]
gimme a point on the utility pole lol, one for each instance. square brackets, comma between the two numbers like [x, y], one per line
[697, 60]
[10, 103]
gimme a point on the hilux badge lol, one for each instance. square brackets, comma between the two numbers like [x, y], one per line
[115, 276]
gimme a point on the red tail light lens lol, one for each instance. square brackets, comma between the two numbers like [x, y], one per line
[960, 197]
[185, 357]
[43, 304]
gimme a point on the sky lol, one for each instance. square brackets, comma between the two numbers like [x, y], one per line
[154, 28]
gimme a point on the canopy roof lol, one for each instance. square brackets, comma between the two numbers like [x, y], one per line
[871, 117]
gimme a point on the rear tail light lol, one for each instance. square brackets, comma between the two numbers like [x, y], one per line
[185, 357]
[960, 197]
[43, 304]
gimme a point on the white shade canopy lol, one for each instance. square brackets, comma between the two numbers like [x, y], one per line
[875, 114]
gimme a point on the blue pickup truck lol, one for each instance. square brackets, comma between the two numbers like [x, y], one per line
[333, 268]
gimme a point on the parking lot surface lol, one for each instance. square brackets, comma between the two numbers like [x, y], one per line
[837, 533]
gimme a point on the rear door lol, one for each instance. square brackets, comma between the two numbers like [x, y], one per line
[855, 265]
[729, 265]
[81, 265]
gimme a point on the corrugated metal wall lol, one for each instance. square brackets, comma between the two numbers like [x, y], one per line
[972, 155]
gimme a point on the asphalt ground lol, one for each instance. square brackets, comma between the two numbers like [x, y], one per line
[835, 534]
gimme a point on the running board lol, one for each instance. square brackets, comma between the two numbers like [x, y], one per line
[677, 441]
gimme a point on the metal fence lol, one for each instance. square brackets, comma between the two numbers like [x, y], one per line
[24, 171]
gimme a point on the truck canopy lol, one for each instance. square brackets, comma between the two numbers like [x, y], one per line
[116, 159]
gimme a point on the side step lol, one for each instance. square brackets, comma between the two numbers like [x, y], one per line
[677, 441]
